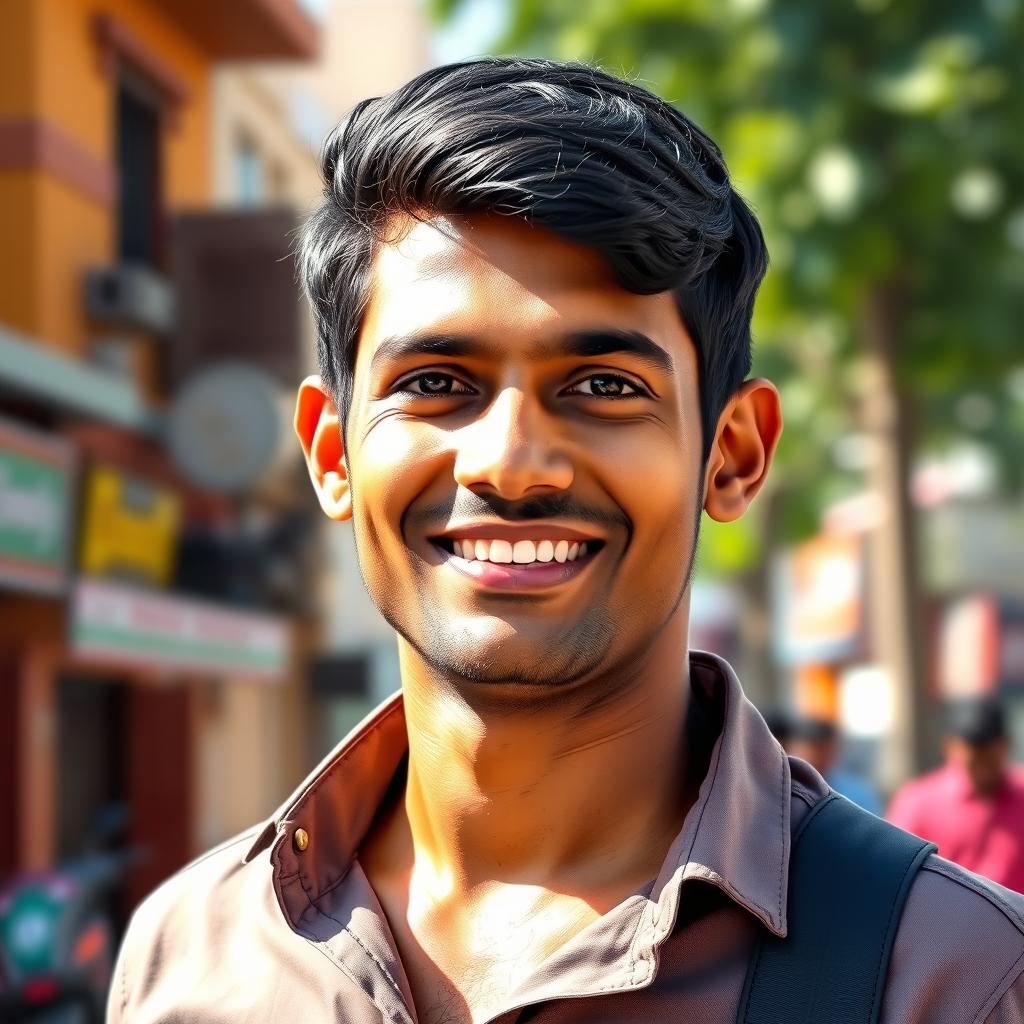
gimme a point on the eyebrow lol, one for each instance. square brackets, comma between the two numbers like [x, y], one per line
[589, 344]
[581, 344]
[402, 346]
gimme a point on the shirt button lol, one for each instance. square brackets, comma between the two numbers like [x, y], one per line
[300, 839]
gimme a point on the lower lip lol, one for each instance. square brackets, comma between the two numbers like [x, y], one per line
[514, 576]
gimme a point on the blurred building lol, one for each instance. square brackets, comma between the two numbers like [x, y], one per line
[153, 620]
[973, 557]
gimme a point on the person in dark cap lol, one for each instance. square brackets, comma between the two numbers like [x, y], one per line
[818, 742]
[973, 806]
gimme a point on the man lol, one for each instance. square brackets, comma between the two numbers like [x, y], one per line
[533, 285]
[816, 741]
[973, 806]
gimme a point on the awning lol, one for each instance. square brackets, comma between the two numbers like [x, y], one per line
[40, 373]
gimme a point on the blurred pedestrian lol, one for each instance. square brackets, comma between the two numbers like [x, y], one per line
[973, 806]
[817, 742]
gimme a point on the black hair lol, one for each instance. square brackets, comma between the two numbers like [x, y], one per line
[598, 160]
[976, 720]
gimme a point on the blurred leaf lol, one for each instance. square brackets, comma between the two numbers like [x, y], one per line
[727, 549]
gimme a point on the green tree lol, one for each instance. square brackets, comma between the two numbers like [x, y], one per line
[881, 144]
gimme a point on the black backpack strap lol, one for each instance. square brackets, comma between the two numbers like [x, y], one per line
[849, 876]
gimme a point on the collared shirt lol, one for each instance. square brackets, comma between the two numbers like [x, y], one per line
[260, 930]
[983, 833]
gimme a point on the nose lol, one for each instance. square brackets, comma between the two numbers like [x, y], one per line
[513, 449]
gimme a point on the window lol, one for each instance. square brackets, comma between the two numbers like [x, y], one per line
[138, 166]
[250, 184]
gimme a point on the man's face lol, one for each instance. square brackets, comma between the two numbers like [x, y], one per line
[984, 763]
[820, 754]
[512, 400]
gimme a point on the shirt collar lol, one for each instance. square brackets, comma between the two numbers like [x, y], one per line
[736, 836]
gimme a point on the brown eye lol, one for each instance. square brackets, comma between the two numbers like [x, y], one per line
[606, 385]
[434, 384]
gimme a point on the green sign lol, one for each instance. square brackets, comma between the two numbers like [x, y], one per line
[35, 484]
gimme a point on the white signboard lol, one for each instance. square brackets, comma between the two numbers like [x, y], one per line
[116, 623]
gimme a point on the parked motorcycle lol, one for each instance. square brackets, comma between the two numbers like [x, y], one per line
[58, 940]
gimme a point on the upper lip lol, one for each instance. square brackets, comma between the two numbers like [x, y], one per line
[533, 530]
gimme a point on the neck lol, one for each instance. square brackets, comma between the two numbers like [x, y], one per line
[566, 792]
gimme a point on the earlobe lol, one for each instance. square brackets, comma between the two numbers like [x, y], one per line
[741, 455]
[318, 428]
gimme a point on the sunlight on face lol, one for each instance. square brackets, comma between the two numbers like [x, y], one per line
[504, 377]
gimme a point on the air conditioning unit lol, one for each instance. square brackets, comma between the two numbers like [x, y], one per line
[130, 296]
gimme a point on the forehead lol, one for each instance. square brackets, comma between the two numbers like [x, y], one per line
[497, 276]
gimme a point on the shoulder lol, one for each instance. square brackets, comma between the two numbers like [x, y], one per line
[186, 919]
[216, 875]
[959, 949]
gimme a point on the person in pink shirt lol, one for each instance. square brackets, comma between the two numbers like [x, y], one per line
[973, 806]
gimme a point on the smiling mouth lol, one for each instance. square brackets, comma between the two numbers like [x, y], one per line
[523, 565]
[520, 553]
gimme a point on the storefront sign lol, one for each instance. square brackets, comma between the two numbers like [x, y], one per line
[35, 485]
[130, 527]
[117, 623]
[822, 599]
[980, 646]
[968, 634]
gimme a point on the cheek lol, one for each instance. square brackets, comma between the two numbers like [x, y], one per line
[655, 478]
[395, 462]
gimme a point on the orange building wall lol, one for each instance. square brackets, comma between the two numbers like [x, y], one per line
[17, 73]
[75, 96]
[20, 255]
[51, 70]
[73, 232]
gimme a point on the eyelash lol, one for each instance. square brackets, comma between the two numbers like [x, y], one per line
[638, 390]
[404, 387]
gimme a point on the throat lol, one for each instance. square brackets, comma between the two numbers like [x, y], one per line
[538, 800]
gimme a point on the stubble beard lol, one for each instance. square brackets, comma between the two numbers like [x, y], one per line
[557, 661]
[579, 651]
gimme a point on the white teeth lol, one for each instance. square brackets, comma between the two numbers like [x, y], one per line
[524, 552]
[501, 551]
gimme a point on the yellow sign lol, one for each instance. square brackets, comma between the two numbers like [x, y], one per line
[130, 527]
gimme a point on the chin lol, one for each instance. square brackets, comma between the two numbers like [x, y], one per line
[495, 654]
[495, 664]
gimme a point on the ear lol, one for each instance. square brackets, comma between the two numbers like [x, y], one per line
[319, 432]
[745, 440]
